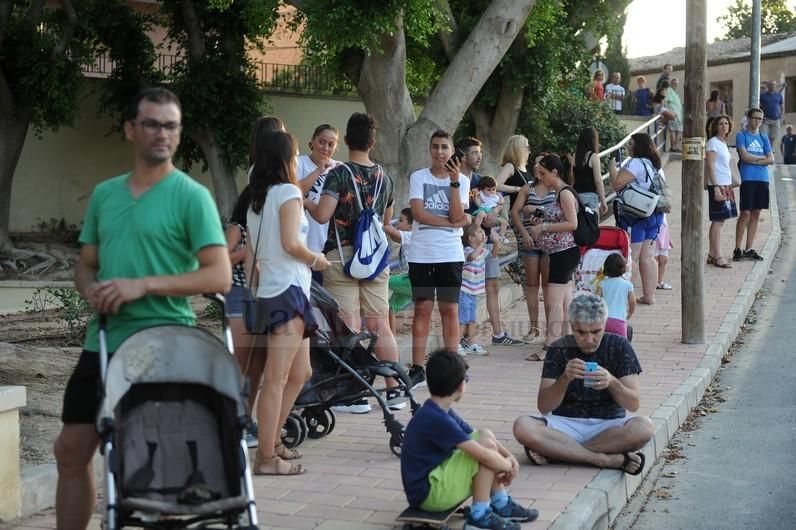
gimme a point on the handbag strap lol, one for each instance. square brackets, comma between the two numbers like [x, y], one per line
[257, 244]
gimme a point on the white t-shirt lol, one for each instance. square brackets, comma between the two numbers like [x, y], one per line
[316, 236]
[406, 240]
[642, 169]
[488, 202]
[612, 89]
[721, 167]
[278, 269]
[436, 244]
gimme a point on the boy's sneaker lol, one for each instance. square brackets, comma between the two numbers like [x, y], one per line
[400, 400]
[506, 340]
[418, 376]
[752, 254]
[514, 512]
[250, 435]
[358, 407]
[464, 347]
[492, 521]
[737, 254]
[476, 349]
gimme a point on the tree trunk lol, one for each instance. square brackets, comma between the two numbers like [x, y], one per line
[13, 130]
[495, 129]
[382, 85]
[222, 175]
[403, 142]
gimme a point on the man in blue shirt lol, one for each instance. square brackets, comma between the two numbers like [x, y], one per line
[754, 152]
[444, 461]
[788, 146]
[773, 105]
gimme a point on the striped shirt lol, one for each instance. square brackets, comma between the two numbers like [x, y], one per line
[535, 200]
[473, 277]
[238, 270]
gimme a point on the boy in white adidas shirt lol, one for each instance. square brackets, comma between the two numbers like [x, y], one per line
[438, 196]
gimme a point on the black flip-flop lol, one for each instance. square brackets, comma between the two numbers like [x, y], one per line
[534, 357]
[629, 460]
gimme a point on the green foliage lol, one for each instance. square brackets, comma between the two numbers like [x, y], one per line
[39, 79]
[73, 309]
[219, 88]
[555, 122]
[336, 26]
[776, 16]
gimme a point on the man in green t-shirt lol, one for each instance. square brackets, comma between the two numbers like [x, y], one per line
[151, 238]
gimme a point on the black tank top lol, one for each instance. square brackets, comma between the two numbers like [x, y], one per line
[584, 176]
[519, 179]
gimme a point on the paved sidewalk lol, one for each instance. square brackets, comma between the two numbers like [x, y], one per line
[353, 480]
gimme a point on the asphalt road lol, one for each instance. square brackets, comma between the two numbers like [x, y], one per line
[739, 465]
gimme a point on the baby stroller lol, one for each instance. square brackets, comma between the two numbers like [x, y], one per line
[612, 240]
[344, 370]
[171, 425]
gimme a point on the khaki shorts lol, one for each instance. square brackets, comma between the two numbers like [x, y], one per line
[356, 297]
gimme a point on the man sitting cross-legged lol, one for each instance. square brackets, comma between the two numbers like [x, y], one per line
[584, 413]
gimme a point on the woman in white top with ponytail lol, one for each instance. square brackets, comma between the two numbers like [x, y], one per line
[277, 244]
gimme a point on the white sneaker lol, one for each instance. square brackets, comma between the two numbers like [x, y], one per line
[464, 347]
[359, 407]
[476, 349]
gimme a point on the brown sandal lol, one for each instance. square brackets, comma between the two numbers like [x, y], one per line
[286, 453]
[711, 260]
[722, 263]
[277, 466]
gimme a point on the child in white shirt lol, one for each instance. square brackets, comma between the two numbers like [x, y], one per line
[618, 295]
[489, 202]
[400, 286]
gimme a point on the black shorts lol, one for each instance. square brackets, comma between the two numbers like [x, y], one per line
[754, 195]
[563, 265]
[440, 280]
[82, 394]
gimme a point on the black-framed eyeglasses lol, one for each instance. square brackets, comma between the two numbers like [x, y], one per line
[153, 127]
[466, 377]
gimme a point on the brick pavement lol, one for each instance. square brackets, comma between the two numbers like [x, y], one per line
[353, 480]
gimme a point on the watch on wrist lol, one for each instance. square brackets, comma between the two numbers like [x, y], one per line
[456, 184]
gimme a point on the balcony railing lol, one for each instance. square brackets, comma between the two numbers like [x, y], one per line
[288, 78]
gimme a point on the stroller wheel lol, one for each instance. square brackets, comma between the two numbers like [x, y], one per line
[302, 426]
[396, 441]
[291, 432]
[318, 422]
[332, 419]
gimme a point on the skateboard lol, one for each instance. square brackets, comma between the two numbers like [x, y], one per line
[415, 518]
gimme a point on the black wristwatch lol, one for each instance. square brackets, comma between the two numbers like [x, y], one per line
[455, 184]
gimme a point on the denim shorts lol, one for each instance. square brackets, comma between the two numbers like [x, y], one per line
[233, 307]
[282, 308]
[468, 308]
[646, 229]
[530, 253]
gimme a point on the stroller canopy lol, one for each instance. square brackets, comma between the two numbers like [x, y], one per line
[171, 354]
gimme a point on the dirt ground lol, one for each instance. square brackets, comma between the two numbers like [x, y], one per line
[38, 351]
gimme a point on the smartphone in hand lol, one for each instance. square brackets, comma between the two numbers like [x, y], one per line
[457, 156]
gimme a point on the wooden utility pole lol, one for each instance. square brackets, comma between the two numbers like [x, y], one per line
[691, 236]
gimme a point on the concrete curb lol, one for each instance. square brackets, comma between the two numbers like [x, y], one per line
[601, 501]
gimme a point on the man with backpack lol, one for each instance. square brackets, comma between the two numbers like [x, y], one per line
[351, 189]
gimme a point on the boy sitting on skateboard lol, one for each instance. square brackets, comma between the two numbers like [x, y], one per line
[444, 461]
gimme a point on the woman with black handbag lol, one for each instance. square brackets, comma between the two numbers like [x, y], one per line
[718, 183]
[639, 169]
[282, 308]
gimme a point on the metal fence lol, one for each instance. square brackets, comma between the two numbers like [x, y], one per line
[288, 78]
